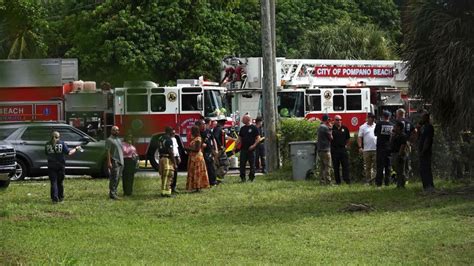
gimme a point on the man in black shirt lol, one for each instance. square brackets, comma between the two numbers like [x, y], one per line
[398, 144]
[425, 151]
[55, 150]
[248, 139]
[340, 140]
[383, 131]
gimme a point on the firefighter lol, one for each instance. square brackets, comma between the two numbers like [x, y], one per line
[209, 150]
[55, 150]
[398, 144]
[221, 160]
[167, 161]
[249, 139]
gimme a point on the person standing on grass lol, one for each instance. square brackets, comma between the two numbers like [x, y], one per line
[383, 131]
[167, 165]
[324, 150]
[367, 142]
[409, 131]
[340, 157]
[398, 144]
[209, 150]
[260, 159]
[197, 173]
[425, 152]
[55, 150]
[248, 139]
[130, 159]
[221, 160]
[115, 162]
[177, 159]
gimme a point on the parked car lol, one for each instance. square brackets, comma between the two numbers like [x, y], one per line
[7, 164]
[29, 140]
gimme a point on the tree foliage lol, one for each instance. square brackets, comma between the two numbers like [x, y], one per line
[346, 40]
[167, 40]
[439, 48]
[22, 26]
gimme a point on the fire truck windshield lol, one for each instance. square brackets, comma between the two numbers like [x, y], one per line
[212, 102]
[291, 104]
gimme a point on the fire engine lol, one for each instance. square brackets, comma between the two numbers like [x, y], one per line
[310, 88]
[49, 90]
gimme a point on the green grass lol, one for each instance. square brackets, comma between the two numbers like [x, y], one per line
[265, 222]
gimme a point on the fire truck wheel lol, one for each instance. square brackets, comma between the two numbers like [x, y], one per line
[21, 170]
[154, 159]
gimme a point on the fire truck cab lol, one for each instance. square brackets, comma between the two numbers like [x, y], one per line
[144, 109]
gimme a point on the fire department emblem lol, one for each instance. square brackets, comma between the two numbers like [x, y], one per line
[171, 97]
[327, 95]
[354, 121]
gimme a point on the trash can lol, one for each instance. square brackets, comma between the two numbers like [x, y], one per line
[303, 158]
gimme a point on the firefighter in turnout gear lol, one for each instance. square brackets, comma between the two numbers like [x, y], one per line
[167, 161]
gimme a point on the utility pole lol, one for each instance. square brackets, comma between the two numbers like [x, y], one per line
[268, 88]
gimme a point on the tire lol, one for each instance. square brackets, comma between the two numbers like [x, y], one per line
[22, 170]
[102, 173]
[154, 158]
[4, 184]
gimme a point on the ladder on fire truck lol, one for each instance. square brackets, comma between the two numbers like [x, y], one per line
[307, 72]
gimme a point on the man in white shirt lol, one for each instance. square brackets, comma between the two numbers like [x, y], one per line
[367, 142]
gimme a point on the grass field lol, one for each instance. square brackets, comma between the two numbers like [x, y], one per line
[266, 222]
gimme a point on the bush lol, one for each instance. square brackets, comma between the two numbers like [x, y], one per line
[293, 129]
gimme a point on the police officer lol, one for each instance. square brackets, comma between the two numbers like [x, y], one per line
[55, 150]
[221, 160]
[383, 132]
[167, 161]
[340, 157]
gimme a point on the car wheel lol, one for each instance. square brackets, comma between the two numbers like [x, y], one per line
[154, 159]
[21, 170]
[102, 173]
[4, 184]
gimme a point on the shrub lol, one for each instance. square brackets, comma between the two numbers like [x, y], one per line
[294, 129]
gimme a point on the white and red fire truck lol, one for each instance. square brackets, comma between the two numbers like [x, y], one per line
[310, 88]
[48, 90]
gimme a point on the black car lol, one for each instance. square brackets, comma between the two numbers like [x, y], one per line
[29, 139]
[7, 163]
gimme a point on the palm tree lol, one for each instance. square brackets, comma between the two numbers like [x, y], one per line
[20, 25]
[439, 48]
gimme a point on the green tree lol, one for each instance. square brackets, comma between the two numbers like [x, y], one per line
[345, 40]
[439, 49]
[22, 26]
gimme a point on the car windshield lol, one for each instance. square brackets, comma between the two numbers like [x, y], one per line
[5, 132]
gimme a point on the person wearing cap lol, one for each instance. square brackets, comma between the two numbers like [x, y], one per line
[249, 139]
[367, 141]
[209, 150]
[340, 157]
[324, 150]
[383, 132]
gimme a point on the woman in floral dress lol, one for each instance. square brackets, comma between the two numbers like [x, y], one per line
[197, 172]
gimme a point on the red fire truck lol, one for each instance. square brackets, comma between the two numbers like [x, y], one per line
[311, 88]
[49, 90]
